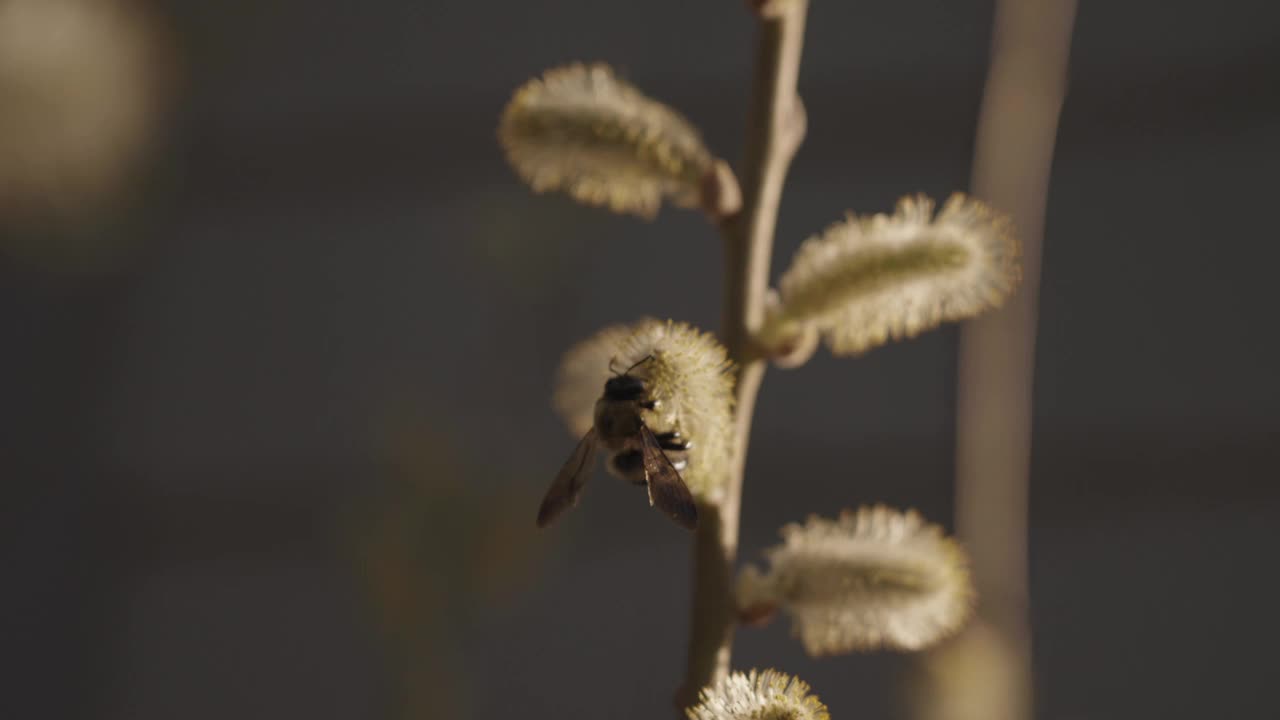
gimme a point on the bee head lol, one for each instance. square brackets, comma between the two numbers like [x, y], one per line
[624, 387]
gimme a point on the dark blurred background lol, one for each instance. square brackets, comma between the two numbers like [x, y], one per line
[274, 419]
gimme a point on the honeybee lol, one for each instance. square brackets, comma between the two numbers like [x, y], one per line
[637, 454]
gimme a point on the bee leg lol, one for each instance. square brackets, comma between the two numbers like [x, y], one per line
[673, 441]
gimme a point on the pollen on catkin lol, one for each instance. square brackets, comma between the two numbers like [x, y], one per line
[685, 370]
[581, 129]
[758, 695]
[872, 578]
[869, 280]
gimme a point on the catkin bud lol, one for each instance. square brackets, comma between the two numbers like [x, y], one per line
[685, 370]
[758, 695]
[583, 130]
[869, 280]
[869, 579]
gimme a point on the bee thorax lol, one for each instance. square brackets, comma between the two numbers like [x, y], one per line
[617, 423]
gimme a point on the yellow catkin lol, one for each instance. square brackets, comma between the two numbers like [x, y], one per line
[872, 578]
[685, 370]
[758, 695]
[581, 129]
[869, 280]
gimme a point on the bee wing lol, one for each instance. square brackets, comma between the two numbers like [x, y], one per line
[666, 488]
[565, 489]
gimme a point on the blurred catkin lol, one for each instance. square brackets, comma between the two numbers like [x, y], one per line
[79, 88]
[758, 695]
[581, 129]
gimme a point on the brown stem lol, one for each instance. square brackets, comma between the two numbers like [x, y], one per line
[1013, 153]
[775, 129]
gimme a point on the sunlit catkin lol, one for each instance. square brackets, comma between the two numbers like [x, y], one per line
[869, 280]
[872, 578]
[758, 695]
[687, 375]
[581, 129]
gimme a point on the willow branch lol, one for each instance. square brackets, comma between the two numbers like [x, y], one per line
[1017, 126]
[775, 129]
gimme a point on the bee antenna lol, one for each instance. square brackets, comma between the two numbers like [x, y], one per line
[639, 362]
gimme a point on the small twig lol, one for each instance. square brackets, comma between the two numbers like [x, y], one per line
[1013, 153]
[775, 129]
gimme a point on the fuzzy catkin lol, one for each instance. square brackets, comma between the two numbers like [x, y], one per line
[869, 280]
[581, 129]
[758, 695]
[872, 578]
[685, 370]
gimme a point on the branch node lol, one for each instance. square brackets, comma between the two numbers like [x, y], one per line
[769, 9]
[787, 350]
[758, 615]
[794, 127]
[796, 350]
[721, 195]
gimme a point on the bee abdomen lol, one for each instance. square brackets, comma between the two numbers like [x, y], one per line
[673, 441]
[676, 447]
[629, 464]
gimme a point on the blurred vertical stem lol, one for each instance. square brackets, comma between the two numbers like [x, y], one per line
[775, 129]
[1013, 153]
